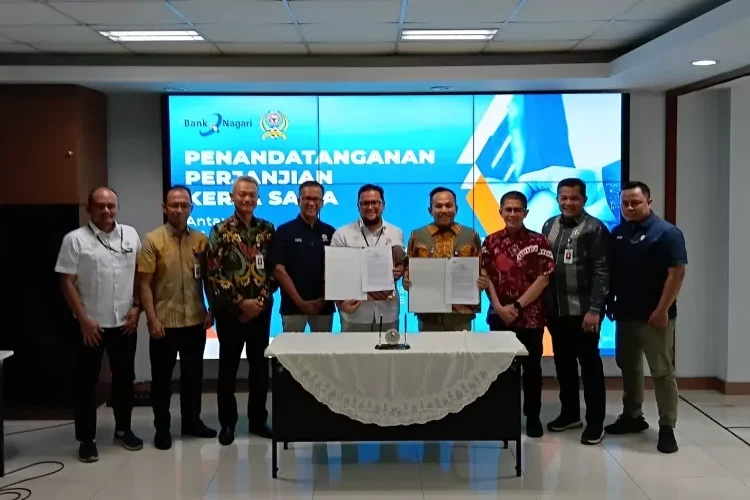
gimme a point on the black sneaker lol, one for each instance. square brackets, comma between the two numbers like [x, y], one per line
[199, 430]
[563, 423]
[226, 436]
[667, 442]
[534, 427]
[162, 440]
[87, 452]
[627, 425]
[128, 440]
[261, 431]
[592, 435]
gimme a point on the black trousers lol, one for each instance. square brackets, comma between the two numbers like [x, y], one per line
[189, 342]
[121, 353]
[572, 345]
[233, 336]
[531, 365]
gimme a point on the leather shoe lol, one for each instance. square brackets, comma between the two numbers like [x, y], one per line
[226, 436]
[199, 430]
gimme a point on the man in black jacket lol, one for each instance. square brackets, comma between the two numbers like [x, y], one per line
[574, 306]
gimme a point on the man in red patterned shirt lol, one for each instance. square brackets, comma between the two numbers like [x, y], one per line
[518, 262]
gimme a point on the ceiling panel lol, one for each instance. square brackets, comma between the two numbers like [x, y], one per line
[15, 48]
[73, 34]
[663, 9]
[82, 48]
[17, 14]
[352, 48]
[599, 45]
[137, 13]
[224, 11]
[172, 48]
[626, 30]
[521, 46]
[343, 33]
[346, 12]
[572, 10]
[459, 11]
[548, 31]
[263, 48]
[240, 33]
[460, 47]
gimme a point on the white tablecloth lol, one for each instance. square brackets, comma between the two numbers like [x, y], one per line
[441, 373]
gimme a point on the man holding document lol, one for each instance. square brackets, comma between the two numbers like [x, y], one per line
[518, 262]
[445, 239]
[379, 240]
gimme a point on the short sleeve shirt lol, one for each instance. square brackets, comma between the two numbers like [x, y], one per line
[513, 262]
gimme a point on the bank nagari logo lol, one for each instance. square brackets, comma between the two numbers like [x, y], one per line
[214, 124]
[273, 124]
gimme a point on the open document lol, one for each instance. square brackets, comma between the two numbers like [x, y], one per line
[461, 275]
[343, 275]
[377, 269]
[427, 289]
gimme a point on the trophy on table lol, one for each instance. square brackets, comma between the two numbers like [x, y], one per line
[391, 338]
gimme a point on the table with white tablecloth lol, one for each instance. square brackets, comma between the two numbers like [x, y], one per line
[458, 386]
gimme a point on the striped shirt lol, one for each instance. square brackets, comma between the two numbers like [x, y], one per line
[580, 283]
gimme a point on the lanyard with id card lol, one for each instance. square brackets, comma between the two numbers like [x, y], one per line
[260, 263]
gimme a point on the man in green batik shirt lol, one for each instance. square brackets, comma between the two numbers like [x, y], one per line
[445, 238]
[242, 285]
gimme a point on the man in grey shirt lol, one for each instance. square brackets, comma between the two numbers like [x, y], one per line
[574, 307]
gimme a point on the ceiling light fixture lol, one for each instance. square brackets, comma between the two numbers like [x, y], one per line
[152, 36]
[441, 88]
[704, 62]
[427, 35]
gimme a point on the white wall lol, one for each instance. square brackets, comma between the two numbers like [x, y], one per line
[134, 141]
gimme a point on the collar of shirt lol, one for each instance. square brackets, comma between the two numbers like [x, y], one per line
[518, 235]
[171, 230]
[644, 224]
[98, 232]
[362, 226]
[434, 229]
[235, 220]
[305, 223]
[572, 221]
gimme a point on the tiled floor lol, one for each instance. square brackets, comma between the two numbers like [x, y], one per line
[711, 463]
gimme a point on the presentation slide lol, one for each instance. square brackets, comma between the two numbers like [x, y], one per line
[480, 146]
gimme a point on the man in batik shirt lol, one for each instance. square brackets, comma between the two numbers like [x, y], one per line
[518, 262]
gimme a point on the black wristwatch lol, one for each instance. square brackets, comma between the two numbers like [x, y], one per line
[517, 306]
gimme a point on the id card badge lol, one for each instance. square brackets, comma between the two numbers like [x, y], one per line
[568, 256]
[197, 271]
[260, 264]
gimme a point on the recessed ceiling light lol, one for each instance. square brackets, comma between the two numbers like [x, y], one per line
[152, 36]
[704, 62]
[427, 35]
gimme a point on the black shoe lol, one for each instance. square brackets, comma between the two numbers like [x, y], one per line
[87, 452]
[128, 440]
[563, 423]
[592, 435]
[627, 425]
[199, 430]
[261, 431]
[667, 442]
[163, 440]
[534, 427]
[226, 436]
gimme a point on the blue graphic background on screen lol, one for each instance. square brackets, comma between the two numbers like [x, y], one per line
[516, 142]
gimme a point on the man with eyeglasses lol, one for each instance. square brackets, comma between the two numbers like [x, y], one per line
[97, 265]
[172, 275]
[371, 230]
[298, 254]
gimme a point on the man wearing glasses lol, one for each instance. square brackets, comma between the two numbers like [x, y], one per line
[371, 230]
[171, 269]
[298, 254]
[97, 267]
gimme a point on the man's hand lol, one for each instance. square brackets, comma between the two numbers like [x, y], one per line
[659, 319]
[155, 328]
[398, 271]
[311, 307]
[591, 322]
[483, 282]
[406, 282]
[349, 306]
[380, 295]
[131, 320]
[208, 321]
[507, 313]
[250, 308]
[91, 331]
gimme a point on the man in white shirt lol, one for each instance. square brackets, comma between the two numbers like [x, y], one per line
[97, 265]
[370, 230]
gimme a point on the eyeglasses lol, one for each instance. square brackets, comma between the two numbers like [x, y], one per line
[367, 204]
[184, 206]
[311, 199]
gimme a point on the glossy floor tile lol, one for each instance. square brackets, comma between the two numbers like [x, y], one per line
[712, 463]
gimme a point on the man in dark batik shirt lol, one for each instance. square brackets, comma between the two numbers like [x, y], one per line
[242, 285]
[518, 262]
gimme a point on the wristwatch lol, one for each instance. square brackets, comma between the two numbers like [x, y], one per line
[517, 306]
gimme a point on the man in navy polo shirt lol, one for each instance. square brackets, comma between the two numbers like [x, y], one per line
[298, 253]
[648, 267]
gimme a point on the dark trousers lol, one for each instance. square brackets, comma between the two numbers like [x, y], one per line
[531, 365]
[572, 345]
[121, 353]
[233, 336]
[190, 343]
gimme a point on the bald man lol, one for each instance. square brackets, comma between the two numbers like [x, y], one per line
[96, 264]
